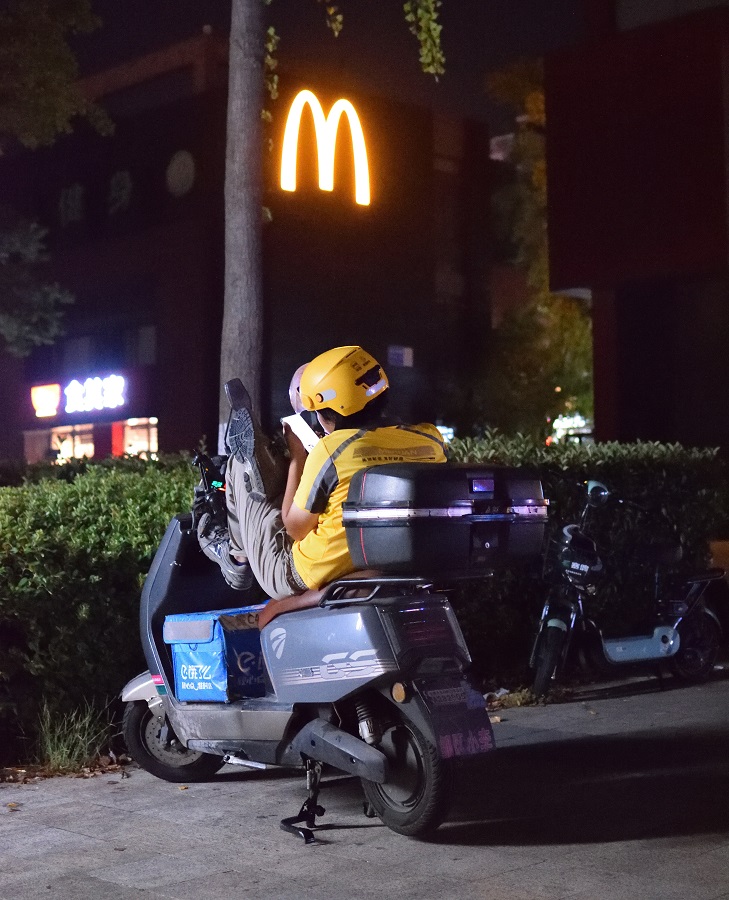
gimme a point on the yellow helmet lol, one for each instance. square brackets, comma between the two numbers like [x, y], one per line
[344, 379]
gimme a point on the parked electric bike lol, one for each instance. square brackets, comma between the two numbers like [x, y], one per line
[681, 629]
[368, 675]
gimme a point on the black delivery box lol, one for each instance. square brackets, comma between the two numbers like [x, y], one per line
[437, 519]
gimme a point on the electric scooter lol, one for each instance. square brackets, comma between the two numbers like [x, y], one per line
[682, 631]
[373, 685]
[368, 675]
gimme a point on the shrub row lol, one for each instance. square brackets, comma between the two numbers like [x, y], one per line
[75, 543]
[675, 494]
[73, 554]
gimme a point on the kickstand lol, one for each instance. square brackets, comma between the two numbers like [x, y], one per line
[310, 809]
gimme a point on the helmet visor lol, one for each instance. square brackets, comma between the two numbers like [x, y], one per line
[294, 390]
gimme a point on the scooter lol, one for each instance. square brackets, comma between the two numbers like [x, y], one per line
[368, 675]
[682, 630]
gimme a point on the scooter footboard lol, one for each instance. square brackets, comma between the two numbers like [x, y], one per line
[451, 713]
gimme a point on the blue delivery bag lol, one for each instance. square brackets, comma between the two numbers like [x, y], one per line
[216, 655]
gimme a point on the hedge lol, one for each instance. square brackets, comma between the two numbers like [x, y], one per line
[675, 493]
[75, 543]
[73, 554]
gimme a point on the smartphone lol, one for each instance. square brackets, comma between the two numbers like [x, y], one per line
[303, 431]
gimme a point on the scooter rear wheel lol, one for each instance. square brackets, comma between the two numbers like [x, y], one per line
[700, 642]
[168, 760]
[415, 798]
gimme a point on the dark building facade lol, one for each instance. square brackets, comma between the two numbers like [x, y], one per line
[637, 157]
[136, 234]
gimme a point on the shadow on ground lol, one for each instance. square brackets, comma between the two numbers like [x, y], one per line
[594, 790]
[641, 785]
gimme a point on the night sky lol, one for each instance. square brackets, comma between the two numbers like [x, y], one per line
[375, 47]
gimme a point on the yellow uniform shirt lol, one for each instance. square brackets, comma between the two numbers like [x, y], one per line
[322, 556]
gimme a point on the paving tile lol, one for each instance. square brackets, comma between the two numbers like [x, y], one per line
[257, 883]
[554, 880]
[382, 884]
[161, 869]
[76, 886]
[663, 855]
[36, 838]
[29, 797]
[17, 871]
[10, 823]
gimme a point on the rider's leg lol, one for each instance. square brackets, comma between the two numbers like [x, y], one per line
[214, 542]
[258, 536]
[254, 541]
[263, 471]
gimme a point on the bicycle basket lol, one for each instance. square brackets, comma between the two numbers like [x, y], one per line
[578, 558]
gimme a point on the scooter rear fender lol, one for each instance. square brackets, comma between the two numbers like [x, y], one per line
[450, 713]
[141, 687]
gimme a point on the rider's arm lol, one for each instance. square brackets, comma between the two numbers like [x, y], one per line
[298, 522]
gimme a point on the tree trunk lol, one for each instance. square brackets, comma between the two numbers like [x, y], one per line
[241, 346]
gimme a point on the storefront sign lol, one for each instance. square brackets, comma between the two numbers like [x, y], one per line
[95, 393]
[91, 394]
[326, 141]
[45, 399]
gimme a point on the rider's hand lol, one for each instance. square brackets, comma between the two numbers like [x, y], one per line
[298, 522]
[297, 451]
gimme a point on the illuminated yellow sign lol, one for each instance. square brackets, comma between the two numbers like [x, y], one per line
[45, 399]
[326, 142]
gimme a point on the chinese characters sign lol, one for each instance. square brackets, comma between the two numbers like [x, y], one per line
[95, 393]
[81, 396]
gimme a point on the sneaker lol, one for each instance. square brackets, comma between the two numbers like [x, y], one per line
[263, 473]
[215, 545]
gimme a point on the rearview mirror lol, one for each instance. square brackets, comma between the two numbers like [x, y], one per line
[597, 493]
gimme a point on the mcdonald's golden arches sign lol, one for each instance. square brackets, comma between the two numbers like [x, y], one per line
[326, 128]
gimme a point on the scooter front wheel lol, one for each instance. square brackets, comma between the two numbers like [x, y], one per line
[163, 755]
[414, 799]
[546, 657]
[700, 642]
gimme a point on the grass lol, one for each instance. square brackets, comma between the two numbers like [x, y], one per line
[67, 742]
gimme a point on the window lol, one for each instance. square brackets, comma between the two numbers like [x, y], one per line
[140, 437]
[72, 442]
[133, 437]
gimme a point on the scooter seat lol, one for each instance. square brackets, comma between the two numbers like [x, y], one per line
[303, 601]
[708, 575]
[288, 604]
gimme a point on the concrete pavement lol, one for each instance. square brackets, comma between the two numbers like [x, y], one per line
[621, 793]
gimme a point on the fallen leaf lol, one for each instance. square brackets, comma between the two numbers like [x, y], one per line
[183, 787]
[13, 807]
